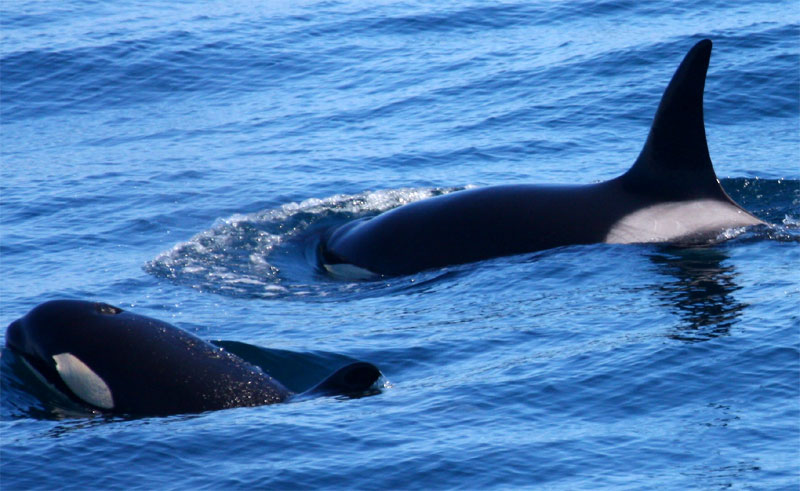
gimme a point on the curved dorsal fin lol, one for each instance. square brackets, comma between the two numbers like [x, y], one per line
[674, 163]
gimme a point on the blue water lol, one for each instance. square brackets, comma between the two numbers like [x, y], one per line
[179, 159]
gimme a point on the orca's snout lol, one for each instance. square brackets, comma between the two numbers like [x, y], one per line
[25, 333]
[14, 335]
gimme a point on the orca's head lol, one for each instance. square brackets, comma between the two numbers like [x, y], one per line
[45, 328]
[47, 338]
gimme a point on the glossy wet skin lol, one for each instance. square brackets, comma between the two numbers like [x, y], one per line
[499, 221]
[148, 366]
[670, 194]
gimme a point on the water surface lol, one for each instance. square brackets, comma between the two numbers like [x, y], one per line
[177, 160]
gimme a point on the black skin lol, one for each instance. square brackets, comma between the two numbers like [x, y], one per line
[477, 224]
[152, 367]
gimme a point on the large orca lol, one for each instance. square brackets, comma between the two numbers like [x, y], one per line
[123, 363]
[671, 194]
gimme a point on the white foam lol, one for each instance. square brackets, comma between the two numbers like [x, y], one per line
[82, 381]
[226, 231]
[235, 254]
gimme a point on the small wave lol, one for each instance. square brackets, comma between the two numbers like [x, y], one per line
[269, 253]
[775, 201]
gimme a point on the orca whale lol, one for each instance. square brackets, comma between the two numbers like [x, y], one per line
[119, 362]
[671, 194]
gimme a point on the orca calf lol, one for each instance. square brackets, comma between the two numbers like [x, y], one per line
[671, 194]
[123, 363]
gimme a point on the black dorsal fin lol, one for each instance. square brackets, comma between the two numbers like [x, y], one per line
[674, 163]
[352, 379]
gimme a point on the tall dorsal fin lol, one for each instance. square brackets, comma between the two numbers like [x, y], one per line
[674, 163]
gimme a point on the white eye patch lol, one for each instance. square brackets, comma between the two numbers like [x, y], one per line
[83, 381]
[350, 272]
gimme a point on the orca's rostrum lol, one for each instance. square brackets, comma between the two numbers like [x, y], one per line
[671, 194]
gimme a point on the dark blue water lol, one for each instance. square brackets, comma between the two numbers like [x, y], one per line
[178, 160]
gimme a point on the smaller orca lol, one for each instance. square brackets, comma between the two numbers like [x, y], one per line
[670, 194]
[123, 363]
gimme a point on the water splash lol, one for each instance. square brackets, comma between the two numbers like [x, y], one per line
[270, 253]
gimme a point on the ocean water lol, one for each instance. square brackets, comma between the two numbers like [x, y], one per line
[179, 160]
